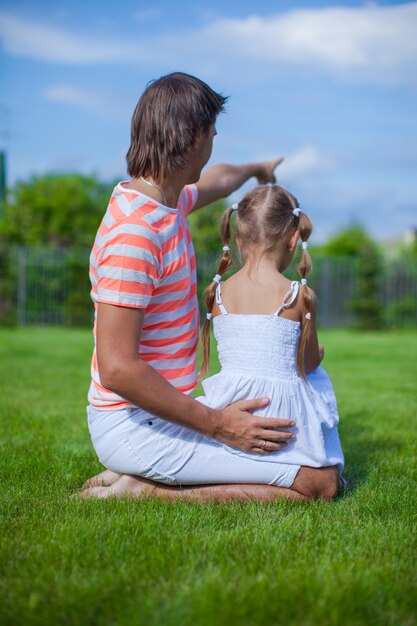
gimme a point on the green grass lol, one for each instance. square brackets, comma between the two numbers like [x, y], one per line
[64, 561]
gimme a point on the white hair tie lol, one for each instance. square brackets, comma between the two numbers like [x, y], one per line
[304, 245]
[308, 316]
[217, 278]
[226, 248]
[296, 212]
[235, 206]
[303, 281]
[209, 315]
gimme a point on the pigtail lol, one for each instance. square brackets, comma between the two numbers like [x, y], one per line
[309, 298]
[209, 295]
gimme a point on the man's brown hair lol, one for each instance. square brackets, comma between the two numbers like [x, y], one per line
[165, 123]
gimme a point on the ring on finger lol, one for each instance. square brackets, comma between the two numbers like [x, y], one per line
[264, 444]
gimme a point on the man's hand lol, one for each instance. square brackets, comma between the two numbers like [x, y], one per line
[266, 174]
[244, 431]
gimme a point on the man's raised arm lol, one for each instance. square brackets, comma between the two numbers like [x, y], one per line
[221, 180]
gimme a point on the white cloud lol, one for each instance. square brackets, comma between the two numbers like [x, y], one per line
[339, 38]
[306, 160]
[107, 105]
[69, 94]
[372, 42]
[49, 43]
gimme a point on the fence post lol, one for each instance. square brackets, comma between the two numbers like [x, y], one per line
[21, 284]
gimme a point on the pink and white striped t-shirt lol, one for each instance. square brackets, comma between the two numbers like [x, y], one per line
[143, 257]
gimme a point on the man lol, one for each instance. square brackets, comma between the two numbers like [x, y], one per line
[143, 286]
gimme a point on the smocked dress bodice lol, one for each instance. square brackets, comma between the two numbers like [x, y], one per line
[260, 345]
[258, 358]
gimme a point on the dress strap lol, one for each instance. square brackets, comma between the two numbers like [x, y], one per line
[289, 297]
[219, 299]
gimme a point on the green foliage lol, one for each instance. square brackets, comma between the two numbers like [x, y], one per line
[78, 306]
[367, 303]
[204, 226]
[404, 310]
[408, 250]
[349, 242]
[55, 210]
[64, 211]
[354, 242]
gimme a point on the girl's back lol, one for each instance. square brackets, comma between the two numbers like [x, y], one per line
[249, 337]
[258, 292]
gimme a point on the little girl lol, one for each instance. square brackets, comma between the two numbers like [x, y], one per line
[265, 327]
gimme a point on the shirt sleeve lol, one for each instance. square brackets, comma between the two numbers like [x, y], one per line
[188, 199]
[128, 267]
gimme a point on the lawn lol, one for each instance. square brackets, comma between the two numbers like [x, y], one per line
[124, 563]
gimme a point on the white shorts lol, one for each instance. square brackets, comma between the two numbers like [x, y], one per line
[132, 441]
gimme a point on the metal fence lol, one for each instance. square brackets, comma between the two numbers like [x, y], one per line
[51, 286]
[45, 286]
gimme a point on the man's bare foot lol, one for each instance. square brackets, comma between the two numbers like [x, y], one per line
[125, 486]
[96, 493]
[104, 479]
[137, 487]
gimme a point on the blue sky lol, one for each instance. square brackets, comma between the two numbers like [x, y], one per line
[332, 87]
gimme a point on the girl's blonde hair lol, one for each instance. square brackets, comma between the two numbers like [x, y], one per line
[264, 220]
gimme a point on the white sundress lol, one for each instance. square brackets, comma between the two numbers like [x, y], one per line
[258, 356]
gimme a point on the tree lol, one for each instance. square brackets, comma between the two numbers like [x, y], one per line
[367, 304]
[205, 228]
[55, 210]
[349, 242]
[205, 231]
[355, 242]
